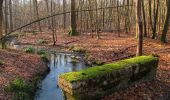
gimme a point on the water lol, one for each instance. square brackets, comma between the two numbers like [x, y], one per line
[59, 63]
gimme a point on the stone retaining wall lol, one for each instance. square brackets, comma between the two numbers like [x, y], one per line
[95, 82]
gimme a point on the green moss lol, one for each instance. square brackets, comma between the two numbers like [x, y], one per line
[73, 32]
[1, 62]
[44, 57]
[79, 50]
[19, 85]
[41, 52]
[141, 59]
[107, 68]
[23, 90]
[98, 62]
[34, 33]
[29, 50]
[22, 96]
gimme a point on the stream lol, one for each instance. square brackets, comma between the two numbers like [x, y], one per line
[59, 63]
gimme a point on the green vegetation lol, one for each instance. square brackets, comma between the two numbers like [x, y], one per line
[73, 32]
[43, 54]
[29, 50]
[77, 49]
[1, 62]
[23, 90]
[97, 62]
[44, 57]
[93, 61]
[34, 33]
[107, 68]
[22, 96]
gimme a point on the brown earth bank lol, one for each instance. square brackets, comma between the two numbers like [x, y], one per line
[112, 48]
[17, 64]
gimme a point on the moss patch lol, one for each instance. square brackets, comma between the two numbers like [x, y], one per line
[21, 89]
[107, 68]
[29, 50]
[1, 62]
[78, 49]
[44, 57]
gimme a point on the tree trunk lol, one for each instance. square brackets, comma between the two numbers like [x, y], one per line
[6, 17]
[48, 12]
[11, 15]
[1, 17]
[144, 19]
[37, 13]
[166, 24]
[140, 27]
[1, 20]
[64, 15]
[155, 19]
[73, 19]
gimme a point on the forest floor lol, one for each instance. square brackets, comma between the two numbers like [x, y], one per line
[17, 64]
[111, 48]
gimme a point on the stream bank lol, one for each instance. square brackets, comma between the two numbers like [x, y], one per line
[17, 66]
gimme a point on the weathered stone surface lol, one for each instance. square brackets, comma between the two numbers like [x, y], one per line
[95, 82]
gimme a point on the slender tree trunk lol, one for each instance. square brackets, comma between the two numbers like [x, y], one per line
[11, 15]
[166, 24]
[150, 15]
[140, 27]
[1, 17]
[73, 19]
[1, 20]
[48, 12]
[37, 13]
[6, 17]
[64, 15]
[97, 21]
[118, 19]
[144, 19]
[53, 24]
[155, 19]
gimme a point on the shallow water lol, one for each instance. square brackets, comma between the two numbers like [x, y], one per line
[59, 63]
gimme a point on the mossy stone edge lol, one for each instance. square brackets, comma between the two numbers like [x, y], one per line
[101, 80]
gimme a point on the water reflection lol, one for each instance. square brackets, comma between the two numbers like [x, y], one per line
[59, 63]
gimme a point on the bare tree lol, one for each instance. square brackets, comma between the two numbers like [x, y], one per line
[140, 27]
[166, 24]
[1, 17]
[73, 18]
[37, 13]
[11, 15]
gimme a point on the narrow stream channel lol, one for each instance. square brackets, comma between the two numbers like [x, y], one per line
[59, 63]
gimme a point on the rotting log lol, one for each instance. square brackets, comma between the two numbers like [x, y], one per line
[95, 82]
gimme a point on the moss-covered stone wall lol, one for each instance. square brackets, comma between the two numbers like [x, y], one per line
[95, 82]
